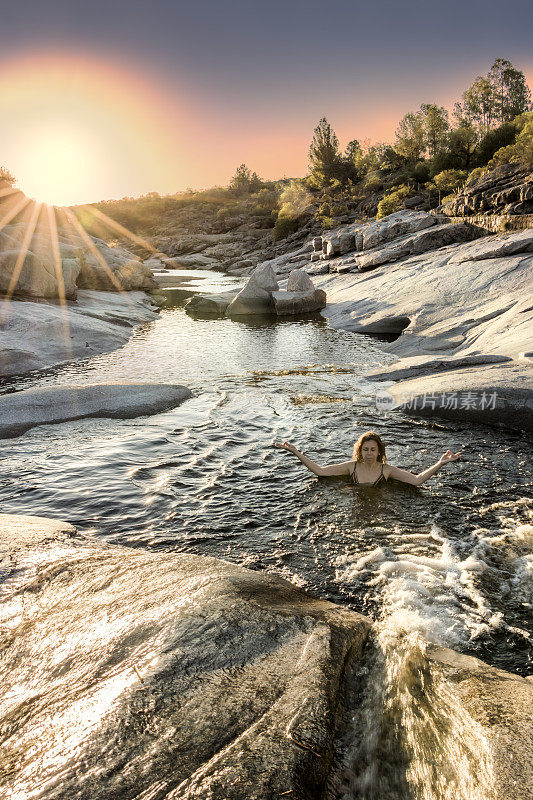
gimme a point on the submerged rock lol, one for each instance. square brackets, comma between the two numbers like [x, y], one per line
[205, 679]
[49, 405]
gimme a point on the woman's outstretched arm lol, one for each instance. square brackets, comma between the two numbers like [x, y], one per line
[417, 480]
[322, 472]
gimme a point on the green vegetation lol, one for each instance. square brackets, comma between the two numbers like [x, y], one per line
[434, 154]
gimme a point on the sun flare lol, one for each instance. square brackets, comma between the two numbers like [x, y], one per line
[82, 130]
[57, 163]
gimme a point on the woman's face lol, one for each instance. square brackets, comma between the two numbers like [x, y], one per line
[370, 450]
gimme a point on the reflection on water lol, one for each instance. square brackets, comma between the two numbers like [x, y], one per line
[450, 560]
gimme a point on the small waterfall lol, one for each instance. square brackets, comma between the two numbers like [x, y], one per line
[409, 737]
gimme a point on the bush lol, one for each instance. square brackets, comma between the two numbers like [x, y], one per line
[392, 201]
[521, 152]
[449, 180]
[373, 182]
[475, 175]
[494, 141]
[284, 226]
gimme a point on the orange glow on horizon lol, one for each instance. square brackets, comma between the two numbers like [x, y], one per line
[78, 129]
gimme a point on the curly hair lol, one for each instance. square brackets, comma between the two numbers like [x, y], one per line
[367, 437]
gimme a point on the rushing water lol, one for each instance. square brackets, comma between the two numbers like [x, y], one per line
[449, 563]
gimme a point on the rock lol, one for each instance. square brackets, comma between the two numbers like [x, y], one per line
[412, 202]
[209, 304]
[48, 405]
[256, 296]
[293, 303]
[428, 365]
[36, 275]
[467, 301]
[196, 261]
[117, 275]
[419, 242]
[394, 225]
[497, 708]
[206, 679]
[39, 335]
[299, 281]
[346, 242]
[506, 244]
[507, 188]
[495, 394]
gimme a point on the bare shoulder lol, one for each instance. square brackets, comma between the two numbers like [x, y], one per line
[388, 469]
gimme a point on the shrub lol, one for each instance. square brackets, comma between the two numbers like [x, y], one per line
[284, 226]
[494, 140]
[392, 201]
[521, 152]
[449, 180]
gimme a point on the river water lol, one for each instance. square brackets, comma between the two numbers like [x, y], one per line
[449, 562]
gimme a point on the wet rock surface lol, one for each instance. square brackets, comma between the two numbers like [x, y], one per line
[207, 680]
[20, 411]
[39, 335]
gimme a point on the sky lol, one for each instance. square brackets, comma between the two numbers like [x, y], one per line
[105, 99]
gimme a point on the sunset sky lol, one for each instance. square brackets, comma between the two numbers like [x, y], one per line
[101, 100]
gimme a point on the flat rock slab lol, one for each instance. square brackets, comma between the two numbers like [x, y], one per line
[48, 405]
[209, 681]
[489, 394]
[416, 366]
[38, 335]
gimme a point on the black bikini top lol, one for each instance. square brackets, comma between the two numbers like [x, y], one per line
[376, 482]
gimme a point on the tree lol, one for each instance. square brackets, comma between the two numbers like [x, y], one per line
[410, 136]
[479, 104]
[512, 95]
[244, 181]
[353, 151]
[435, 125]
[324, 149]
[6, 177]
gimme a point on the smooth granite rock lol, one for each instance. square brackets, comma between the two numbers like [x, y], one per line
[48, 405]
[294, 303]
[256, 296]
[39, 335]
[129, 673]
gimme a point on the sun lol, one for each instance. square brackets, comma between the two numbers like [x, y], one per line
[78, 129]
[59, 164]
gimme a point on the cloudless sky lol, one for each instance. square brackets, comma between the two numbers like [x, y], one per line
[239, 80]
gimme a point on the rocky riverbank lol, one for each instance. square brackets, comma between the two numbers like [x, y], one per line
[36, 335]
[212, 681]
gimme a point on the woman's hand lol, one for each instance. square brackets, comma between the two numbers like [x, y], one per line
[285, 446]
[449, 456]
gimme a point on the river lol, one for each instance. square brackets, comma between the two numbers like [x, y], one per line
[449, 562]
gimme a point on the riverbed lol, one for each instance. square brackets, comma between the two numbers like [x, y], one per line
[450, 560]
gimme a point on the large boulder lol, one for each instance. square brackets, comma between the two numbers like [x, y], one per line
[294, 303]
[163, 674]
[210, 305]
[299, 281]
[48, 405]
[492, 711]
[256, 296]
[32, 275]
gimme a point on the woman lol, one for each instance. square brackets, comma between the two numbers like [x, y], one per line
[369, 464]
